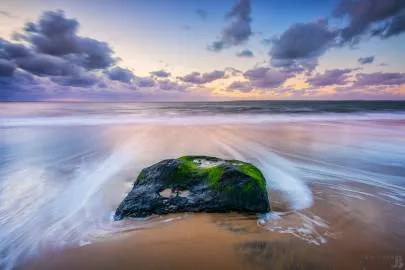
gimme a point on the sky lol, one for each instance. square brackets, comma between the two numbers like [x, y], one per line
[181, 50]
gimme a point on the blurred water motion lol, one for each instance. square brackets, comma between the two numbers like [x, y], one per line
[65, 167]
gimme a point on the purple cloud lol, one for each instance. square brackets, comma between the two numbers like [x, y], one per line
[145, 82]
[6, 68]
[198, 78]
[265, 78]
[380, 78]
[83, 80]
[396, 27]
[56, 35]
[120, 74]
[245, 53]
[366, 60]
[239, 29]
[382, 18]
[330, 77]
[301, 45]
[240, 86]
[52, 53]
[169, 85]
[160, 73]
[47, 65]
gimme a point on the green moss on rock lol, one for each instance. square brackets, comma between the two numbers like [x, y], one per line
[253, 172]
[212, 185]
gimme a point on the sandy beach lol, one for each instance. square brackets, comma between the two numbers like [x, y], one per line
[232, 241]
[336, 188]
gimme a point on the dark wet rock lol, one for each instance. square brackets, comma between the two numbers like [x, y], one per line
[196, 184]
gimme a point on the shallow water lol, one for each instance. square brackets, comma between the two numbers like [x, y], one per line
[335, 178]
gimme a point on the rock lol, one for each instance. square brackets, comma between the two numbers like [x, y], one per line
[196, 184]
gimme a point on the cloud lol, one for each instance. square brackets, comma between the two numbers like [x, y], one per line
[11, 51]
[301, 45]
[396, 27]
[6, 68]
[198, 78]
[169, 85]
[120, 74]
[161, 73]
[233, 71]
[330, 77]
[382, 18]
[82, 80]
[202, 14]
[20, 86]
[238, 30]
[7, 14]
[245, 53]
[47, 65]
[366, 60]
[53, 54]
[265, 78]
[242, 86]
[145, 82]
[380, 78]
[56, 35]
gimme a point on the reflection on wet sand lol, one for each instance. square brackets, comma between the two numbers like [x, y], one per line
[338, 200]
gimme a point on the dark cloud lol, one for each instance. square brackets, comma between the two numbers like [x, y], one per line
[145, 82]
[245, 53]
[198, 78]
[302, 44]
[366, 60]
[330, 77]
[202, 13]
[265, 78]
[20, 86]
[82, 80]
[239, 30]
[6, 68]
[161, 73]
[10, 50]
[47, 65]
[120, 74]
[382, 18]
[380, 78]
[242, 86]
[56, 35]
[169, 85]
[53, 52]
[396, 27]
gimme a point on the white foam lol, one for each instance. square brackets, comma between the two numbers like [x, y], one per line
[59, 215]
[96, 120]
[281, 174]
[309, 228]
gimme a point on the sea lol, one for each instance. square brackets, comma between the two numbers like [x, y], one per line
[335, 173]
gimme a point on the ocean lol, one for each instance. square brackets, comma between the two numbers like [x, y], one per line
[335, 173]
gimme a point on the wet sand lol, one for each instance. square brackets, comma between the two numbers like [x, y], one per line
[348, 221]
[360, 235]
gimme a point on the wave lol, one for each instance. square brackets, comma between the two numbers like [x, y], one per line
[97, 120]
[38, 210]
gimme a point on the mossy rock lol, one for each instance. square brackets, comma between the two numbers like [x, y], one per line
[196, 184]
